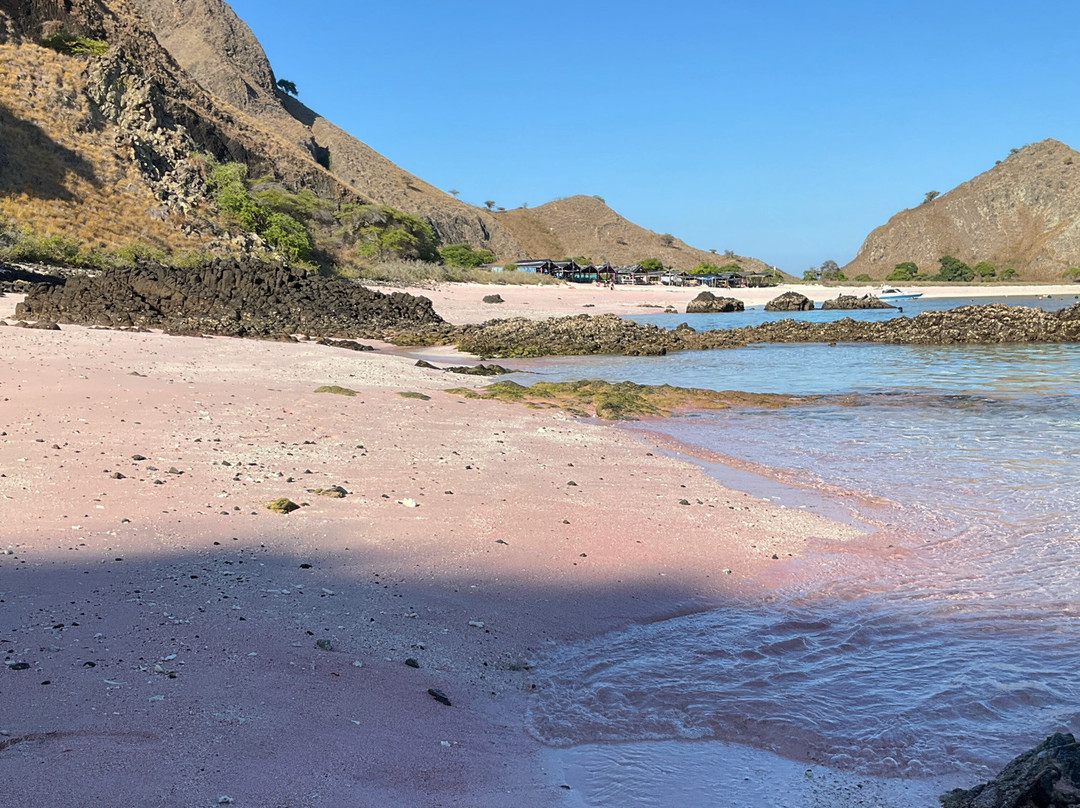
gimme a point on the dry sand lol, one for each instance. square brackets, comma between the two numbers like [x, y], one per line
[463, 303]
[162, 629]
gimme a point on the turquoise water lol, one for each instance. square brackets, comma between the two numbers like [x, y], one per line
[954, 655]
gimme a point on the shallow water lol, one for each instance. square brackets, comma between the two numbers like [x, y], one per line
[944, 661]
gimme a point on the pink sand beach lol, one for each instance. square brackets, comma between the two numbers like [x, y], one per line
[168, 640]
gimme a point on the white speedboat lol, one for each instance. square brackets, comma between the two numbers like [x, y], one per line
[891, 293]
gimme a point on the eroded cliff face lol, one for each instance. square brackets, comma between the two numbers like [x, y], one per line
[185, 76]
[219, 51]
[1023, 213]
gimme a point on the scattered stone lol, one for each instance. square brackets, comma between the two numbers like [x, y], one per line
[334, 492]
[408, 502]
[480, 370]
[137, 458]
[420, 363]
[324, 644]
[348, 344]
[476, 623]
[116, 475]
[493, 299]
[684, 502]
[439, 696]
[419, 396]
[18, 666]
[282, 505]
[412, 663]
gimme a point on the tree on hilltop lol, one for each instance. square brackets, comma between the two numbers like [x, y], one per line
[287, 87]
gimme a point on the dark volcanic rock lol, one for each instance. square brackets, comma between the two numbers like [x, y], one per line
[851, 302]
[790, 301]
[493, 299]
[227, 297]
[1047, 776]
[584, 334]
[708, 303]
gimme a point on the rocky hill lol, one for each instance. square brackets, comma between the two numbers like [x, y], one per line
[1023, 213]
[586, 226]
[104, 142]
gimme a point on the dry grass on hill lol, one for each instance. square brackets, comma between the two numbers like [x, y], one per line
[62, 175]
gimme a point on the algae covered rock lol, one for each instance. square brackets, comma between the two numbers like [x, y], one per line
[282, 505]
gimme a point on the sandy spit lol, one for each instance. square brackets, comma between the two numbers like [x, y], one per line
[461, 303]
[168, 641]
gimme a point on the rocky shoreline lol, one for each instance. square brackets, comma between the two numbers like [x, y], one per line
[249, 299]
[224, 297]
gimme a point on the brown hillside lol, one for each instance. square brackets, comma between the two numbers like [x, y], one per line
[221, 53]
[586, 226]
[60, 172]
[101, 147]
[1022, 213]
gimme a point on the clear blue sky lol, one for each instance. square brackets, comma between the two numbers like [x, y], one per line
[782, 129]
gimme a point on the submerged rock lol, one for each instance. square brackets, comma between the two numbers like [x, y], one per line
[708, 303]
[790, 301]
[1047, 776]
[851, 302]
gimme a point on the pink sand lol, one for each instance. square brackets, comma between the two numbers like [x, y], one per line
[179, 568]
[463, 302]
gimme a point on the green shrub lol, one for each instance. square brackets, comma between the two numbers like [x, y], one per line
[386, 233]
[229, 188]
[651, 264]
[904, 271]
[1008, 274]
[863, 278]
[953, 269]
[1071, 274]
[704, 268]
[65, 42]
[985, 270]
[465, 255]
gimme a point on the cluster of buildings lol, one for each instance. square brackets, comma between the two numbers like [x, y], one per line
[636, 275]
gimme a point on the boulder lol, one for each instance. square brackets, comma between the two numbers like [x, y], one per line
[1047, 776]
[851, 302]
[790, 301]
[708, 303]
[493, 299]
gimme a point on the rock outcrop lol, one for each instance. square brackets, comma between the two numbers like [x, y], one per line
[708, 303]
[853, 303]
[1023, 213]
[1047, 776]
[609, 334]
[226, 297]
[790, 301]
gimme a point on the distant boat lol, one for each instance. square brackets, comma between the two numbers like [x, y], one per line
[892, 293]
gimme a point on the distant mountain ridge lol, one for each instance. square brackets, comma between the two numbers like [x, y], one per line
[1022, 213]
[586, 226]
